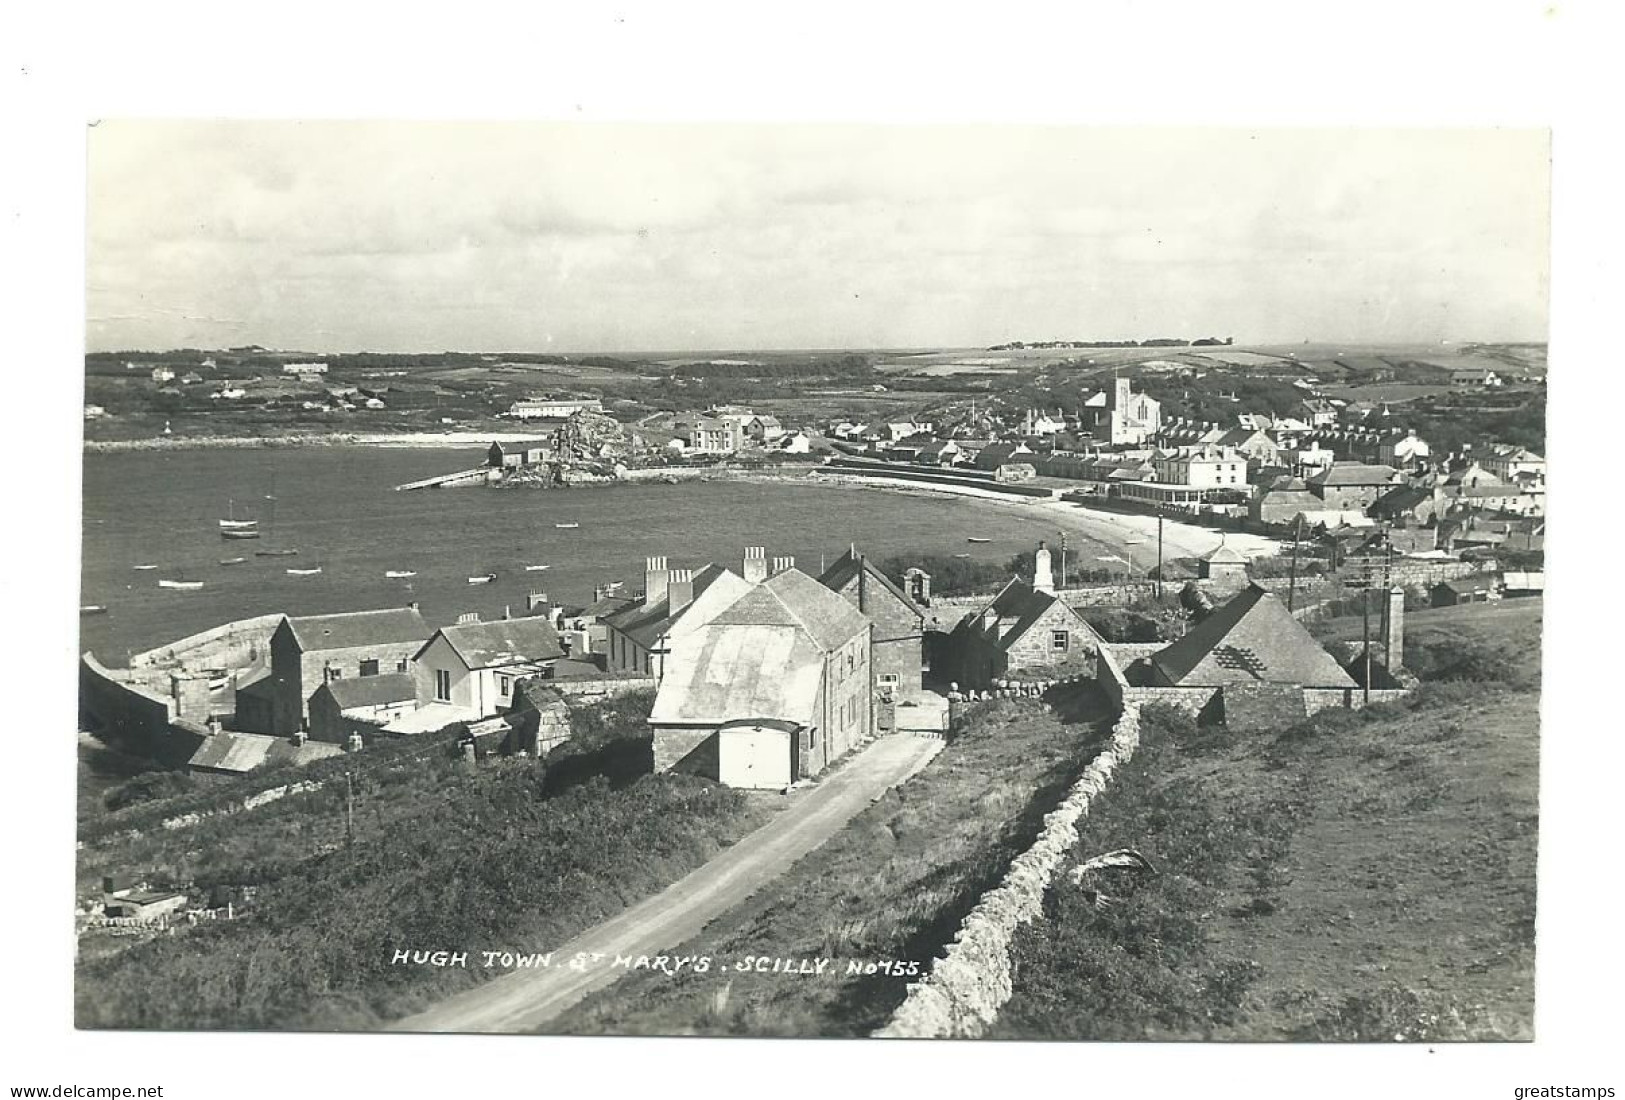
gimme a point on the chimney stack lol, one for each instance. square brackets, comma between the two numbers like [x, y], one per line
[755, 564]
[781, 564]
[468, 617]
[655, 576]
[538, 599]
[1393, 629]
[300, 737]
[679, 590]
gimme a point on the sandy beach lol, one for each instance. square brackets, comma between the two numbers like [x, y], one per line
[1133, 537]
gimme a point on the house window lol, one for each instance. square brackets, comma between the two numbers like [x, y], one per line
[331, 673]
[888, 679]
[400, 665]
[442, 685]
[505, 685]
[369, 667]
[1059, 640]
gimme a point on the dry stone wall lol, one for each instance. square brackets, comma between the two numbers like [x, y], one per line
[965, 988]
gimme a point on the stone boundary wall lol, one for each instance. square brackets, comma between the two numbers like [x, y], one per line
[971, 981]
[230, 645]
[133, 717]
[591, 690]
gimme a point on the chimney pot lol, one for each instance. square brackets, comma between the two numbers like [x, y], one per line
[755, 564]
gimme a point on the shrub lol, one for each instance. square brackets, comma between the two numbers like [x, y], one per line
[146, 788]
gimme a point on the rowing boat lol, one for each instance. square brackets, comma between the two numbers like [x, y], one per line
[487, 579]
[397, 574]
[311, 572]
[188, 586]
[232, 561]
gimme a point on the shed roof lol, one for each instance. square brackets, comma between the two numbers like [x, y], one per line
[349, 629]
[241, 752]
[1252, 638]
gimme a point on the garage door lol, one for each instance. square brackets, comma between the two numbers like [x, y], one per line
[754, 757]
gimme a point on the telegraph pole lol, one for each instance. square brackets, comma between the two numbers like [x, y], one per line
[1365, 617]
[349, 810]
[1159, 554]
[1063, 560]
[1292, 582]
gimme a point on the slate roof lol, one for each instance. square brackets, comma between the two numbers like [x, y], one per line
[358, 628]
[791, 598]
[850, 564]
[1252, 638]
[1225, 554]
[240, 752]
[371, 691]
[1354, 473]
[646, 623]
[1016, 608]
[505, 642]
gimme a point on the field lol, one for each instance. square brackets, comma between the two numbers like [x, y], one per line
[1362, 876]
[890, 888]
[506, 856]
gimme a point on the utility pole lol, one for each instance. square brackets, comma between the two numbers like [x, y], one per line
[1365, 625]
[1292, 582]
[1159, 555]
[349, 810]
[1063, 559]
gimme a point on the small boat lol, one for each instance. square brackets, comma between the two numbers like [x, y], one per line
[232, 561]
[275, 553]
[188, 586]
[978, 540]
[567, 526]
[614, 586]
[240, 533]
[486, 579]
[93, 609]
[396, 574]
[237, 524]
[311, 572]
[536, 568]
[961, 555]
[146, 567]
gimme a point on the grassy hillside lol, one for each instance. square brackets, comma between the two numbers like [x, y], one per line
[891, 888]
[1363, 876]
[445, 856]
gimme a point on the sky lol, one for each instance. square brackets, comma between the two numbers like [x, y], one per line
[350, 236]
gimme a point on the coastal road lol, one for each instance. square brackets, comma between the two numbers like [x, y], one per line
[526, 1000]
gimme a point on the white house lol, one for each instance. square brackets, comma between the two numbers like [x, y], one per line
[304, 369]
[473, 667]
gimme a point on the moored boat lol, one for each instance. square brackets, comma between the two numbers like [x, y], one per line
[232, 561]
[486, 579]
[240, 533]
[188, 586]
[536, 568]
[311, 572]
[567, 526]
[144, 568]
[93, 609]
[275, 553]
[978, 540]
[237, 524]
[396, 574]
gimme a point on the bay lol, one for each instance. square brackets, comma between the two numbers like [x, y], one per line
[338, 507]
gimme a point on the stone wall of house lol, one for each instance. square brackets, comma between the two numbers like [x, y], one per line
[968, 984]
[1316, 699]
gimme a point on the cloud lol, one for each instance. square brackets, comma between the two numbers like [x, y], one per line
[491, 235]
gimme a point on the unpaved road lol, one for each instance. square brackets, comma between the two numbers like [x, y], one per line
[525, 1000]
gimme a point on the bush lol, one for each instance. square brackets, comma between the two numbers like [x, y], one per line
[146, 788]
